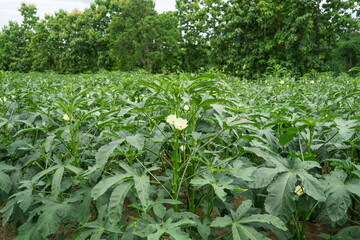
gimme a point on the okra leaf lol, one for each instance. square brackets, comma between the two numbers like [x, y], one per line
[105, 184]
[280, 200]
[5, 182]
[116, 201]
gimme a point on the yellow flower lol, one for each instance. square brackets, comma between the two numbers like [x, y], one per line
[66, 117]
[171, 119]
[282, 82]
[180, 124]
[182, 148]
[299, 190]
[186, 108]
[312, 82]
[3, 99]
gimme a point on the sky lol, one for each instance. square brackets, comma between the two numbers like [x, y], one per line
[9, 8]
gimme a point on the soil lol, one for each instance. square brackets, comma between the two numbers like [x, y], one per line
[7, 232]
[313, 229]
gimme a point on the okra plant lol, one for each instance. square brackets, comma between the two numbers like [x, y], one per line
[137, 156]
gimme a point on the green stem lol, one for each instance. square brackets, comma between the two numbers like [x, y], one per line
[192, 209]
[353, 207]
[333, 230]
[306, 219]
[73, 142]
[135, 200]
[192, 155]
[302, 153]
[296, 225]
[296, 220]
[6, 128]
[227, 149]
[154, 177]
[291, 228]
[310, 141]
[211, 203]
[201, 200]
[176, 159]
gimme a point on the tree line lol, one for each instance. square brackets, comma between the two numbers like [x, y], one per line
[240, 37]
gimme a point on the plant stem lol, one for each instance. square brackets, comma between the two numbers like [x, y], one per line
[211, 202]
[175, 181]
[73, 143]
[296, 220]
[333, 230]
[306, 219]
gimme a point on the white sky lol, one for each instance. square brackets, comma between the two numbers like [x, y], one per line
[9, 8]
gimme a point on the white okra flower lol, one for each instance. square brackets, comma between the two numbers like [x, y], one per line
[180, 124]
[171, 119]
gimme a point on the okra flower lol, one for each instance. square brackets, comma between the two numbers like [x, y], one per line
[282, 82]
[3, 100]
[186, 108]
[180, 124]
[171, 119]
[299, 190]
[66, 117]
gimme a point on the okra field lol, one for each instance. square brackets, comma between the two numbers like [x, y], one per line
[117, 155]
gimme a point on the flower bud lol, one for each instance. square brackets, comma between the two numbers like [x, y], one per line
[299, 190]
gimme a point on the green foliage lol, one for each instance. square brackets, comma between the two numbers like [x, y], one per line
[244, 38]
[253, 35]
[196, 22]
[338, 194]
[352, 232]
[347, 53]
[244, 222]
[280, 200]
[15, 52]
[139, 37]
[72, 42]
[133, 155]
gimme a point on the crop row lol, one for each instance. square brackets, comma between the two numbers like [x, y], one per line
[132, 155]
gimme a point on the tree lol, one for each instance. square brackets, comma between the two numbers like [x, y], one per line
[299, 35]
[73, 42]
[157, 47]
[197, 20]
[51, 43]
[123, 32]
[141, 38]
[15, 40]
[347, 53]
